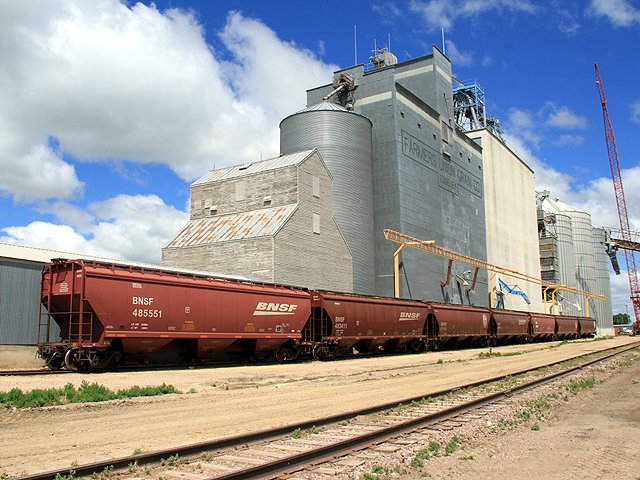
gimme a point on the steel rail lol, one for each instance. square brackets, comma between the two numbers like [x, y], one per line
[26, 373]
[320, 454]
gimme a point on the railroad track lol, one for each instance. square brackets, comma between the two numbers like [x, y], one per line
[269, 453]
[25, 373]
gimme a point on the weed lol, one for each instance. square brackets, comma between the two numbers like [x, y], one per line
[314, 430]
[452, 446]
[380, 469]
[635, 382]
[400, 469]
[575, 385]
[206, 457]
[86, 392]
[71, 476]
[434, 447]
[297, 433]
[466, 457]
[172, 460]
[147, 471]
[490, 354]
[106, 472]
[138, 451]
[440, 361]
[417, 462]
[132, 467]
[535, 427]
[423, 454]
[192, 390]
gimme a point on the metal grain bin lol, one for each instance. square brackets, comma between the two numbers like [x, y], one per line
[343, 139]
[602, 312]
[584, 255]
[566, 261]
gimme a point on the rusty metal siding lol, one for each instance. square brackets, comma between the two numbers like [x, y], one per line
[258, 223]
[19, 302]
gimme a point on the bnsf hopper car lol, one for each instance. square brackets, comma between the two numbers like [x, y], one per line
[110, 313]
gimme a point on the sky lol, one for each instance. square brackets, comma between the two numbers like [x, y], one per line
[109, 109]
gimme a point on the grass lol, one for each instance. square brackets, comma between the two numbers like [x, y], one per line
[491, 354]
[87, 392]
[451, 447]
[575, 385]
[170, 461]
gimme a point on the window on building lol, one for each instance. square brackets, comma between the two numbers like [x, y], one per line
[266, 201]
[240, 191]
[213, 210]
[316, 223]
[316, 187]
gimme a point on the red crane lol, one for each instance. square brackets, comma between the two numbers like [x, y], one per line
[612, 150]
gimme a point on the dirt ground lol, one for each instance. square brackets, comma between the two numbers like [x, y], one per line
[594, 436]
[227, 401]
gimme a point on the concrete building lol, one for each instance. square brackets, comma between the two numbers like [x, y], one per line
[426, 174]
[510, 213]
[270, 220]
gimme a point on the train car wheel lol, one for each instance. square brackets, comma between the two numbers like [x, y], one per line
[54, 361]
[279, 354]
[71, 359]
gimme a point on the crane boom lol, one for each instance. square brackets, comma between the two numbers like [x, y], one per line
[621, 203]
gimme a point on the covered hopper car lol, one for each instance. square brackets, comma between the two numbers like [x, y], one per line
[110, 313]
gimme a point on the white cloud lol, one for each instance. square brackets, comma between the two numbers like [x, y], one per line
[109, 81]
[127, 227]
[620, 290]
[457, 56]
[619, 12]
[635, 112]
[444, 13]
[563, 117]
[521, 119]
[569, 140]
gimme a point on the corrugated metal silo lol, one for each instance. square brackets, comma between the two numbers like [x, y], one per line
[566, 261]
[603, 311]
[585, 258]
[343, 139]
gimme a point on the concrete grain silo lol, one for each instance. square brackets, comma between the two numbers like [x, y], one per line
[343, 139]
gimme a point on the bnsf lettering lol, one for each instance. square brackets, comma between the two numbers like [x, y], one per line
[143, 300]
[409, 315]
[275, 307]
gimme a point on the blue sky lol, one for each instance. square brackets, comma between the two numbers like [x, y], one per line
[109, 110]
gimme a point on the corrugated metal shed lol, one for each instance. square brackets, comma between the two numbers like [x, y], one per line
[258, 223]
[255, 167]
[19, 302]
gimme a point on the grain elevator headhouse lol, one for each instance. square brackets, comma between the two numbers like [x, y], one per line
[387, 133]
